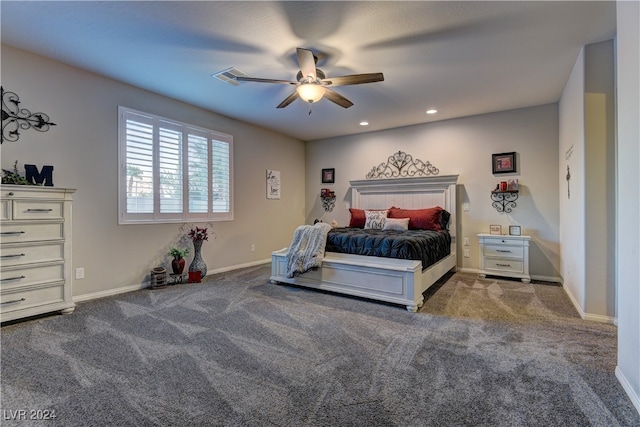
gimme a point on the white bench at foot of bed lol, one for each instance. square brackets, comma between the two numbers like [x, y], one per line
[396, 281]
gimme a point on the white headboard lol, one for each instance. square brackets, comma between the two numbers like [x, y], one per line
[408, 193]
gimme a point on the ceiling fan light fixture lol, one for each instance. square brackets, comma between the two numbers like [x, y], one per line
[310, 92]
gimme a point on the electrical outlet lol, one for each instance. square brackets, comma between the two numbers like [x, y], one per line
[465, 252]
[79, 273]
[466, 241]
[253, 248]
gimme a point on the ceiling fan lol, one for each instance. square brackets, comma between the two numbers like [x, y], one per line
[313, 84]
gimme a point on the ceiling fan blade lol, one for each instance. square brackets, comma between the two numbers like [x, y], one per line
[354, 79]
[335, 97]
[288, 100]
[307, 62]
[259, 80]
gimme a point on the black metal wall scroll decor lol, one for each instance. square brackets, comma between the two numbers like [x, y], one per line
[401, 164]
[15, 118]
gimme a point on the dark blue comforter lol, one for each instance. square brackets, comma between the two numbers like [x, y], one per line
[422, 245]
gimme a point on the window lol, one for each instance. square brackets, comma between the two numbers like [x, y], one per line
[171, 171]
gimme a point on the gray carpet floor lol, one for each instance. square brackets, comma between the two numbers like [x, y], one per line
[239, 351]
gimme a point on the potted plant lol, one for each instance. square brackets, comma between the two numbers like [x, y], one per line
[178, 261]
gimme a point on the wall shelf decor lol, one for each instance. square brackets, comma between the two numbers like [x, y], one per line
[504, 201]
[15, 118]
[328, 199]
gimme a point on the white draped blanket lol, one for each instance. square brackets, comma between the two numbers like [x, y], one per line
[307, 248]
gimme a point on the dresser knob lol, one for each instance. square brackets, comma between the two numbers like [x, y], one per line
[11, 193]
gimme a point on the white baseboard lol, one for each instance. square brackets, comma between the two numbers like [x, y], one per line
[466, 270]
[600, 318]
[138, 286]
[589, 316]
[110, 292]
[553, 279]
[626, 385]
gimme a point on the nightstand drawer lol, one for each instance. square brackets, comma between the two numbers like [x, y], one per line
[16, 233]
[503, 240]
[36, 209]
[504, 251]
[504, 265]
[27, 254]
[31, 275]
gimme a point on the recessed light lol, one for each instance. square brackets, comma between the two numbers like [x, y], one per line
[432, 111]
[364, 123]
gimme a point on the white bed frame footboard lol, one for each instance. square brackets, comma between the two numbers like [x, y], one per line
[386, 279]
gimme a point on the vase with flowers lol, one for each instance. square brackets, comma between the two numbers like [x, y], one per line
[178, 261]
[197, 236]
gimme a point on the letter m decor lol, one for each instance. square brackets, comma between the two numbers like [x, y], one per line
[34, 177]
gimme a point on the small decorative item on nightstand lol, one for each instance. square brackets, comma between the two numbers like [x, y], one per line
[514, 230]
[495, 229]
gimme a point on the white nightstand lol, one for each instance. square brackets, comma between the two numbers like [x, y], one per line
[504, 256]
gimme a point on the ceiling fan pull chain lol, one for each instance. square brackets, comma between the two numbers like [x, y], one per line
[310, 108]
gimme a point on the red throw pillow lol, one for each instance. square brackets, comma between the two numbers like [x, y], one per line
[358, 218]
[419, 219]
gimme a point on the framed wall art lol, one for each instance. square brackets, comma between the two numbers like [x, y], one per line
[273, 184]
[503, 162]
[328, 176]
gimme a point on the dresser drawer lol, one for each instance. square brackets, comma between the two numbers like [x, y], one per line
[36, 209]
[30, 275]
[504, 251]
[27, 254]
[16, 233]
[504, 265]
[33, 192]
[27, 298]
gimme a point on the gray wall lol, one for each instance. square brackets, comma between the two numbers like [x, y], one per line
[461, 146]
[628, 198]
[587, 218]
[83, 148]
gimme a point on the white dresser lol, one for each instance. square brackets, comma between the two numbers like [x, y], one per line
[506, 256]
[35, 251]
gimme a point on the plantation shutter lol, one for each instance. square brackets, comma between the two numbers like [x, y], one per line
[170, 166]
[172, 172]
[139, 164]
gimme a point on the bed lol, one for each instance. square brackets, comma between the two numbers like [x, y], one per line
[397, 281]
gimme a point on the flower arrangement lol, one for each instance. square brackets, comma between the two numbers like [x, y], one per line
[178, 253]
[198, 234]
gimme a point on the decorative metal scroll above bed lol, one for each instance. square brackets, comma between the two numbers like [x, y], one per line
[401, 164]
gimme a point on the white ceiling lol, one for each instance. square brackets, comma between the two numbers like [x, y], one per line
[463, 58]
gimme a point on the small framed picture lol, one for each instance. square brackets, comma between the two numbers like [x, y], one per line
[503, 162]
[495, 229]
[514, 230]
[512, 185]
[328, 176]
